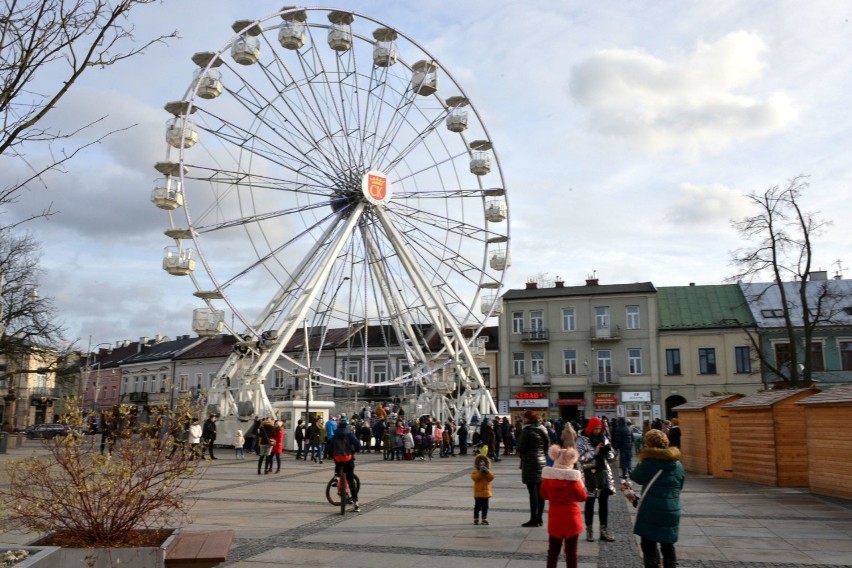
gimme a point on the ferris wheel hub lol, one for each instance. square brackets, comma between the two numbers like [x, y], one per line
[376, 187]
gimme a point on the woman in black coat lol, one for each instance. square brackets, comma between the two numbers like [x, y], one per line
[532, 446]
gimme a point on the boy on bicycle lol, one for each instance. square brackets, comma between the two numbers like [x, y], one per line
[344, 444]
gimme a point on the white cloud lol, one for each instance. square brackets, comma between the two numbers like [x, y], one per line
[705, 205]
[695, 103]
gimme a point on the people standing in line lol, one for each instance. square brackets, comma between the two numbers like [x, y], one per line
[450, 434]
[486, 437]
[239, 443]
[194, 439]
[299, 435]
[661, 474]
[278, 446]
[482, 478]
[462, 433]
[563, 486]
[569, 436]
[552, 439]
[674, 433]
[596, 453]
[208, 436]
[532, 446]
[318, 438]
[408, 443]
[366, 433]
[265, 440]
[438, 439]
[622, 442]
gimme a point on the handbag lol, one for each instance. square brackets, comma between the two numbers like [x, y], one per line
[627, 489]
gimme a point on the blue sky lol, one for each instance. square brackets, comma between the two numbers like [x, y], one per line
[627, 133]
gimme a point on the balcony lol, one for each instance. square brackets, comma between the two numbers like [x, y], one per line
[138, 397]
[536, 379]
[608, 333]
[534, 336]
[604, 378]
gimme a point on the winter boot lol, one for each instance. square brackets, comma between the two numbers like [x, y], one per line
[589, 535]
[605, 536]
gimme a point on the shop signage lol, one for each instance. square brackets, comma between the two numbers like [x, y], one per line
[636, 396]
[605, 399]
[527, 403]
[531, 395]
[570, 401]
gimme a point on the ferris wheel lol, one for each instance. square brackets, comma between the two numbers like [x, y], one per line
[325, 176]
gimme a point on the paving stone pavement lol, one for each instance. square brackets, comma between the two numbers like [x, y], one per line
[418, 514]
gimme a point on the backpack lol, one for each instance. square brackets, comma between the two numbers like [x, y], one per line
[341, 449]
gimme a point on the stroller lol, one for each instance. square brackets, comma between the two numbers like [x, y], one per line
[423, 447]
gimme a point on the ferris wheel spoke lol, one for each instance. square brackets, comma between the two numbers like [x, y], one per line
[443, 223]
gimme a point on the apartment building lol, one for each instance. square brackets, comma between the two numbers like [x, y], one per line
[704, 346]
[577, 351]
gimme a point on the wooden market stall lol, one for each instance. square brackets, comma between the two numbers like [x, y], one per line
[829, 444]
[705, 437]
[768, 438]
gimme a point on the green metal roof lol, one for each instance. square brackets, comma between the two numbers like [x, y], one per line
[702, 307]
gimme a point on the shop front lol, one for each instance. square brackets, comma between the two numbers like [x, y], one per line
[572, 406]
[605, 404]
[529, 400]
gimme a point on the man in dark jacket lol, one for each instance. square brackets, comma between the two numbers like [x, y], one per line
[300, 438]
[208, 436]
[344, 445]
[622, 442]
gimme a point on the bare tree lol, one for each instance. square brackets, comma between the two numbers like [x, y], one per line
[45, 47]
[782, 236]
[27, 321]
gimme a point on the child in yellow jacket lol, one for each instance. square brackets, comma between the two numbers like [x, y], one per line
[482, 478]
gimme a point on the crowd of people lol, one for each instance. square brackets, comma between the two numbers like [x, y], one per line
[569, 464]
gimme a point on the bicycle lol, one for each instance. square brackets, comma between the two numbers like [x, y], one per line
[337, 491]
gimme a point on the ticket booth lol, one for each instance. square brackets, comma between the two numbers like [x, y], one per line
[291, 411]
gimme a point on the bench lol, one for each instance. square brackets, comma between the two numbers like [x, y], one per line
[201, 549]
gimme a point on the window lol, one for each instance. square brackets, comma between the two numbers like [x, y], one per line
[402, 367]
[634, 361]
[537, 363]
[707, 361]
[632, 317]
[743, 356]
[353, 371]
[518, 364]
[144, 383]
[198, 378]
[536, 322]
[845, 355]
[569, 319]
[570, 358]
[379, 371]
[673, 362]
[772, 313]
[164, 379]
[183, 382]
[782, 354]
[278, 379]
[817, 360]
[517, 322]
[486, 376]
[602, 317]
[604, 366]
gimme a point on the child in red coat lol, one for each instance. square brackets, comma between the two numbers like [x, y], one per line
[563, 486]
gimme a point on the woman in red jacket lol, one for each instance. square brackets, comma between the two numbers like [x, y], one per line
[563, 486]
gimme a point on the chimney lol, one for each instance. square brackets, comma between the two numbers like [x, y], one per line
[532, 285]
[559, 283]
[819, 275]
[591, 281]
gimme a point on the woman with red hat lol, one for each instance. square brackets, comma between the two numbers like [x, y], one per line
[595, 455]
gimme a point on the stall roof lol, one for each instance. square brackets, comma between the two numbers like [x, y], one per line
[704, 402]
[837, 396]
[765, 399]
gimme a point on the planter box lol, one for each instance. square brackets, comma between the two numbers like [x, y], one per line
[40, 556]
[135, 557]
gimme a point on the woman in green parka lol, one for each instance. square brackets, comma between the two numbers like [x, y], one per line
[658, 516]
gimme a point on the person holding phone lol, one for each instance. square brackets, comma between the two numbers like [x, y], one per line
[596, 454]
